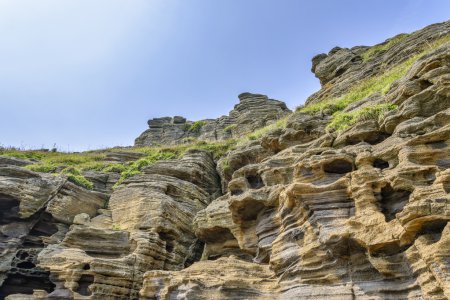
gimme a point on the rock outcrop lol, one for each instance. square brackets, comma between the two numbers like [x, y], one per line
[305, 212]
[253, 111]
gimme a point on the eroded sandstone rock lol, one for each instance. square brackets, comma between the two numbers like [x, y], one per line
[253, 111]
[305, 212]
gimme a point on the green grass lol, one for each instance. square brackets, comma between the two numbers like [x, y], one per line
[225, 165]
[372, 51]
[74, 164]
[343, 120]
[80, 180]
[377, 84]
[260, 132]
[230, 128]
[195, 126]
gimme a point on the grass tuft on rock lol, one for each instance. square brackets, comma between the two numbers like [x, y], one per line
[372, 51]
[376, 84]
[343, 120]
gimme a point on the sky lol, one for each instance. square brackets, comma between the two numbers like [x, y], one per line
[88, 74]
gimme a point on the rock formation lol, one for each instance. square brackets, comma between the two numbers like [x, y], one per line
[253, 111]
[305, 212]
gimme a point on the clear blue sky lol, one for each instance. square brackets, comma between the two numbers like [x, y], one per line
[86, 74]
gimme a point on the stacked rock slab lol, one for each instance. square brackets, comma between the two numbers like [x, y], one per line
[147, 226]
[35, 212]
[253, 111]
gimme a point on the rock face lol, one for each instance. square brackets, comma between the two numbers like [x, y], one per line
[253, 111]
[304, 212]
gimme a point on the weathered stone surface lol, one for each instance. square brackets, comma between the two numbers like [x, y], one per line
[253, 111]
[225, 278]
[305, 212]
[13, 161]
[147, 226]
[341, 68]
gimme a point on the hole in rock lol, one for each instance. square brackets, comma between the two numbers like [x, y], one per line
[255, 181]
[392, 201]
[84, 284]
[447, 187]
[26, 265]
[425, 84]
[236, 192]
[250, 210]
[217, 235]
[429, 177]
[22, 255]
[340, 72]
[437, 145]
[443, 163]
[338, 166]
[45, 226]
[388, 250]
[86, 267]
[373, 139]
[433, 228]
[21, 284]
[9, 209]
[168, 240]
[380, 164]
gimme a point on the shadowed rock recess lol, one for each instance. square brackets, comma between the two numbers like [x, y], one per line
[309, 210]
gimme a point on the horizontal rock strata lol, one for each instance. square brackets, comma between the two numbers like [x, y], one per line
[305, 212]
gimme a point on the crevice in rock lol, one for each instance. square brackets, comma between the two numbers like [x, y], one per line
[169, 240]
[338, 166]
[392, 201]
[388, 250]
[446, 187]
[195, 253]
[83, 285]
[21, 284]
[433, 228]
[44, 227]
[437, 144]
[9, 209]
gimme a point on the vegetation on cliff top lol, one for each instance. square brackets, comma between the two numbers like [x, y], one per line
[73, 165]
[367, 87]
[372, 51]
[343, 120]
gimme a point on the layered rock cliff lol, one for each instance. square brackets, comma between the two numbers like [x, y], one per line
[252, 112]
[349, 198]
